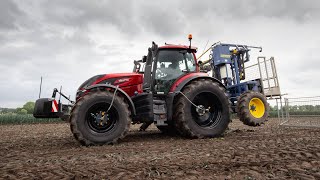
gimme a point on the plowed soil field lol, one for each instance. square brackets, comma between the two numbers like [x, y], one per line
[49, 151]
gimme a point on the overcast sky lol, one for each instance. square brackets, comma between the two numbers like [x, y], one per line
[68, 41]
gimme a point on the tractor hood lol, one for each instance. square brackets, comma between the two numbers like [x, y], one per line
[116, 79]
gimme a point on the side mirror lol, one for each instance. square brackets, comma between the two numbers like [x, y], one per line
[154, 46]
[144, 58]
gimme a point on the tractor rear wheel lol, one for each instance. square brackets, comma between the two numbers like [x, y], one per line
[211, 116]
[252, 108]
[92, 122]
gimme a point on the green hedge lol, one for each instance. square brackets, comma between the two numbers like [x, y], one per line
[304, 112]
[24, 119]
[274, 114]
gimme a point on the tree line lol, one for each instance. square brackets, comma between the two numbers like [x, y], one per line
[27, 108]
[296, 108]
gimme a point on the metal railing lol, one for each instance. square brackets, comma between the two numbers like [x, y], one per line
[265, 69]
[302, 112]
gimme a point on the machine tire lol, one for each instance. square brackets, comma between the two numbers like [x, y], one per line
[83, 124]
[254, 117]
[213, 123]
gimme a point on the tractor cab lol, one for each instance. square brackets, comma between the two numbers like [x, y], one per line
[171, 63]
[164, 65]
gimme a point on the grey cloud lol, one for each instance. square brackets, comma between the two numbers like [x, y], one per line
[162, 18]
[309, 61]
[8, 15]
[168, 18]
[40, 45]
[291, 9]
[251, 9]
[83, 13]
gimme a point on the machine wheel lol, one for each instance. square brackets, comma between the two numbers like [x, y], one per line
[252, 108]
[194, 122]
[92, 124]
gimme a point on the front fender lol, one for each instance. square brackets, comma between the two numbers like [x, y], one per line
[126, 96]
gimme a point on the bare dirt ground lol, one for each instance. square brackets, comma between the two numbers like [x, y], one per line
[49, 151]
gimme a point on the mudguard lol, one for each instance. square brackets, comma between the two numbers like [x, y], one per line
[186, 81]
[127, 97]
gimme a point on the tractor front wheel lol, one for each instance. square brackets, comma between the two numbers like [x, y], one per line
[252, 108]
[100, 118]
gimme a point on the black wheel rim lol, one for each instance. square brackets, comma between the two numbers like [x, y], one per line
[99, 120]
[208, 101]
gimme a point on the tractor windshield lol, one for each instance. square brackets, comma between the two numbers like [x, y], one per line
[173, 63]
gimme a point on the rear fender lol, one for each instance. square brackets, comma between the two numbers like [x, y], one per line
[181, 85]
[125, 95]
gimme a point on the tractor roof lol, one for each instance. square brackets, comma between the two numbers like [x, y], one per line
[173, 46]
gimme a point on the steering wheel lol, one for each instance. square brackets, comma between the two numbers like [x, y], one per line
[160, 74]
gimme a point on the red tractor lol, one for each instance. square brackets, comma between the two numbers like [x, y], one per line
[171, 92]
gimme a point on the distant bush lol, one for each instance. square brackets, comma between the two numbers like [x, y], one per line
[22, 112]
[11, 118]
[274, 114]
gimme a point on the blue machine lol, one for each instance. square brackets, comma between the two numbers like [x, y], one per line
[247, 97]
[227, 62]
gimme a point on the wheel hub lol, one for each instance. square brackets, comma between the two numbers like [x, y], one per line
[252, 107]
[201, 110]
[101, 118]
[204, 114]
[257, 108]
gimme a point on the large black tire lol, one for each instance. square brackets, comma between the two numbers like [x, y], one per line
[84, 125]
[209, 94]
[252, 108]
